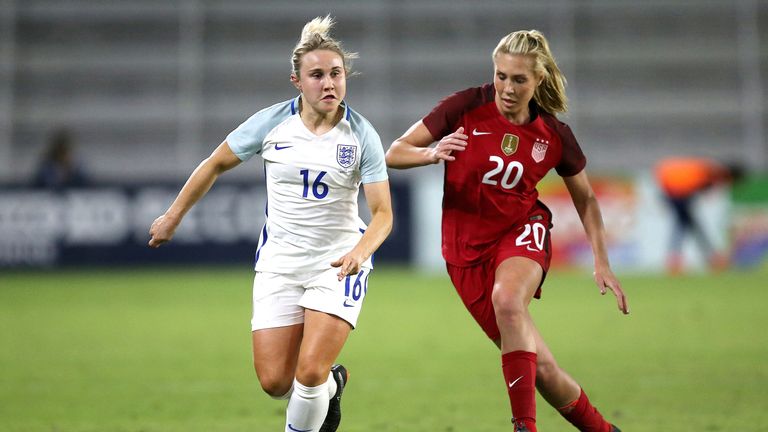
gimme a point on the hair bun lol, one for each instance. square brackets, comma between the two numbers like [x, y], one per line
[320, 26]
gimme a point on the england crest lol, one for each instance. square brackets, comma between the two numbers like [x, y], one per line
[539, 150]
[346, 155]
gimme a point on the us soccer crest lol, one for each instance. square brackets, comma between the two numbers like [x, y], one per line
[346, 155]
[509, 144]
[539, 150]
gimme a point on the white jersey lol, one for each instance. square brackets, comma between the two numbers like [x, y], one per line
[312, 185]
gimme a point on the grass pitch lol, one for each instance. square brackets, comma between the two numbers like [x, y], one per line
[168, 350]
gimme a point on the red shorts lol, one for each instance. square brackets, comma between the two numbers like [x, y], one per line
[475, 283]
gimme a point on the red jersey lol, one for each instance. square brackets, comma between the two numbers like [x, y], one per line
[491, 186]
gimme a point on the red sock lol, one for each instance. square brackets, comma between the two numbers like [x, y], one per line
[520, 374]
[584, 416]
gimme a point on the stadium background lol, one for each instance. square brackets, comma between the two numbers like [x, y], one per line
[149, 88]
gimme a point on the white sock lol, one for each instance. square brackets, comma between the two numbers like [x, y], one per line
[332, 386]
[307, 407]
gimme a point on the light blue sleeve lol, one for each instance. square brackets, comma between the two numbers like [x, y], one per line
[248, 138]
[372, 166]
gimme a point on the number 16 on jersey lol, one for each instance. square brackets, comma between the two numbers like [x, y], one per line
[319, 189]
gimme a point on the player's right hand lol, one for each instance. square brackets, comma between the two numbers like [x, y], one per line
[456, 141]
[162, 231]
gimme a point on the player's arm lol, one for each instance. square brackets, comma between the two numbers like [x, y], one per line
[591, 218]
[198, 184]
[412, 149]
[380, 203]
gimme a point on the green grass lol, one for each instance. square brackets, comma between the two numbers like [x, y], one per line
[169, 350]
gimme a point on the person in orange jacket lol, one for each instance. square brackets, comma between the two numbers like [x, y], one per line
[681, 179]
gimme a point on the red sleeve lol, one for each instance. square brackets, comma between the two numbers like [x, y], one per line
[445, 117]
[572, 160]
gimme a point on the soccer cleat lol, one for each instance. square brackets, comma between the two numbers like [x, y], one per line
[615, 429]
[333, 418]
[520, 426]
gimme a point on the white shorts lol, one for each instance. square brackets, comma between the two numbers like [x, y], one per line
[279, 300]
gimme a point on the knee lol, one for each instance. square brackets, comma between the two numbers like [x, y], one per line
[312, 375]
[274, 385]
[508, 307]
[276, 389]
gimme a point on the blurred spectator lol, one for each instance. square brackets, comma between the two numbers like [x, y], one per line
[58, 167]
[681, 180]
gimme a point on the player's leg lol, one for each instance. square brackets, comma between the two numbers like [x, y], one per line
[563, 392]
[324, 337]
[554, 384]
[717, 261]
[332, 308]
[681, 212]
[275, 355]
[516, 280]
[277, 326]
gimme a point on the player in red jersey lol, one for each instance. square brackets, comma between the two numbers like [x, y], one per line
[498, 141]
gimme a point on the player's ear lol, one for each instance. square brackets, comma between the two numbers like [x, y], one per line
[295, 82]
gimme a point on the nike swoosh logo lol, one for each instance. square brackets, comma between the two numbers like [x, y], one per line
[290, 426]
[279, 147]
[348, 303]
[475, 132]
[515, 381]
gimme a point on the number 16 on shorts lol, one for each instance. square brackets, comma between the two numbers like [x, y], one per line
[355, 287]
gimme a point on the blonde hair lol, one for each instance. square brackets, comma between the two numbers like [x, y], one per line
[316, 36]
[550, 94]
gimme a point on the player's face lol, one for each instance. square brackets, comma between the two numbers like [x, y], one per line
[515, 83]
[322, 81]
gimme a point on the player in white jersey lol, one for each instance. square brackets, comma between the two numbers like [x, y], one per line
[314, 252]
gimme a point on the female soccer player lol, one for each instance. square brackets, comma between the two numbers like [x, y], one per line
[314, 253]
[497, 142]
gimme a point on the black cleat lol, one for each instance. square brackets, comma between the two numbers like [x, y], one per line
[333, 418]
[615, 429]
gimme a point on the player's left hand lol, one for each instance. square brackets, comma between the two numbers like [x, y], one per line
[348, 265]
[606, 280]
